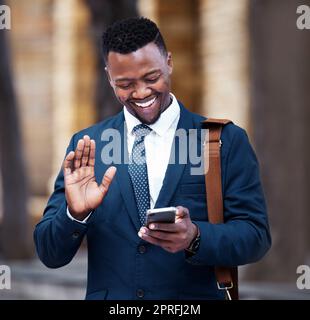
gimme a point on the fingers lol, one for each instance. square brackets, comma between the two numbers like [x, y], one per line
[146, 235]
[165, 244]
[68, 163]
[92, 152]
[172, 237]
[166, 231]
[78, 153]
[86, 151]
[107, 179]
[182, 213]
[161, 235]
[166, 227]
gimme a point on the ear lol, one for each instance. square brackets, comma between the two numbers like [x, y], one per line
[109, 78]
[169, 62]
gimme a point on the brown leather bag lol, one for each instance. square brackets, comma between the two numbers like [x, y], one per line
[227, 278]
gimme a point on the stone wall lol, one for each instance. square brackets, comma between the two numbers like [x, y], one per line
[209, 43]
[178, 21]
[31, 37]
[225, 55]
[53, 64]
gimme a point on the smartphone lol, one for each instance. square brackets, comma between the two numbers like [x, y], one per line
[166, 215]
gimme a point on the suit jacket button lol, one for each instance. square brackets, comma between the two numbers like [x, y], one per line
[140, 293]
[142, 249]
[75, 234]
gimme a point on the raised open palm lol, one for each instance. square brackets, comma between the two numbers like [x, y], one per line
[83, 194]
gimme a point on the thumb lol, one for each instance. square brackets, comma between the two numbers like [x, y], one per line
[182, 212]
[107, 179]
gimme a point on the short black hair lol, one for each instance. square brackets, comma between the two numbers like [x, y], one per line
[128, 35]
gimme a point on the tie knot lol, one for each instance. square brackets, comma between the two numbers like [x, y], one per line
[141, 130]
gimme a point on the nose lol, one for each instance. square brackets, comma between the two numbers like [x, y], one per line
[141, 91]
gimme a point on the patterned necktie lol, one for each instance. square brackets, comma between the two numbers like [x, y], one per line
[137, 169]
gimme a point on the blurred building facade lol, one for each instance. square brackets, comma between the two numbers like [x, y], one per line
[54, 70]
[212, 47]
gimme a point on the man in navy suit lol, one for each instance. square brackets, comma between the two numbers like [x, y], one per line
[102, 199]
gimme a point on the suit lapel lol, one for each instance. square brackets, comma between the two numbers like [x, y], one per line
[123, 178]
[175, 169]
[173, 173]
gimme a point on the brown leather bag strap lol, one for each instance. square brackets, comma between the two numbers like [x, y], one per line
[226, 277]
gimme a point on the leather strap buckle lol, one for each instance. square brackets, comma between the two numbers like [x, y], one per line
[224, 286]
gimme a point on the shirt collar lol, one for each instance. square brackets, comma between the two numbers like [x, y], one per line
[164, 122]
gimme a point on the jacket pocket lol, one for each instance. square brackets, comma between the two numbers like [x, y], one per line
[97, 295]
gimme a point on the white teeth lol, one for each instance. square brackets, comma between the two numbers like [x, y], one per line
[145, 104]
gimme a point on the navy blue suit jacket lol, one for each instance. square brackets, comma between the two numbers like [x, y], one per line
[117, 267]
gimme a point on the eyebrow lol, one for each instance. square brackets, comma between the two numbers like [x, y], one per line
[131, 79]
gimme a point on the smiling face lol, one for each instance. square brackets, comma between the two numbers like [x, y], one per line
[141, 81]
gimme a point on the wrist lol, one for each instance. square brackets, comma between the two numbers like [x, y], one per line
[78, 216]
[194, 244]
[196, 231]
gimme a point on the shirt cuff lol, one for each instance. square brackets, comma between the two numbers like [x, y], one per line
[80, 221]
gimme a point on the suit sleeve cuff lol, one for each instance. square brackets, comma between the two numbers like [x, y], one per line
[204, 252]
[80, 221]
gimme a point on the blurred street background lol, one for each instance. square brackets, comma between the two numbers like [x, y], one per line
[246, 60]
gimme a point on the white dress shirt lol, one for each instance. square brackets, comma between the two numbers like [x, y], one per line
[158, 144]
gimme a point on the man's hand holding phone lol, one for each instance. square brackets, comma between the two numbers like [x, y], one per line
[172, 237]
